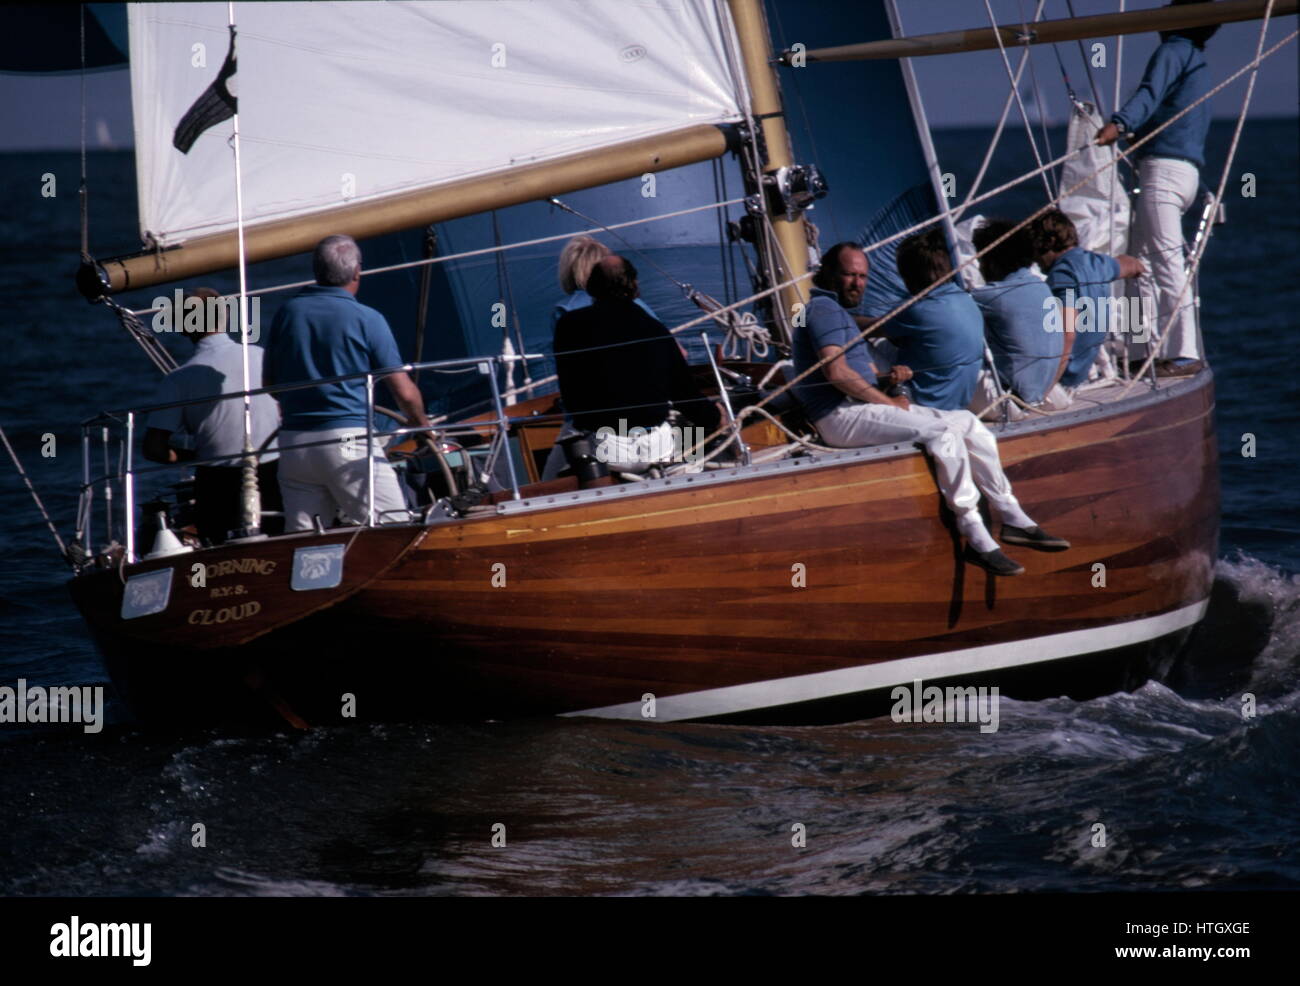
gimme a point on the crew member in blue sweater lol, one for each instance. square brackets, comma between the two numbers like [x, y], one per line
[1080, 279]
[1169, 175]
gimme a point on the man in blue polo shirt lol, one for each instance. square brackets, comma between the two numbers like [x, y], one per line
[1169, 176]
[844, 399]
[1013, 301]
[323, 332]
[941, 337]
[1080, 279]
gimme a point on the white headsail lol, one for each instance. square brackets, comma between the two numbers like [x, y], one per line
[342, 103]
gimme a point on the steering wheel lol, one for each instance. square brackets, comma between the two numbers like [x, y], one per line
[426, 439]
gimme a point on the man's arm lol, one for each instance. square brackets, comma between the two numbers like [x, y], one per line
[848, 380]
[408, 398]
[1162, 70]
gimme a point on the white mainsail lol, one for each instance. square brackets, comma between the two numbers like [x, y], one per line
[343, 103]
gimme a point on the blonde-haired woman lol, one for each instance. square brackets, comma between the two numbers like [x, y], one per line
[577, 259]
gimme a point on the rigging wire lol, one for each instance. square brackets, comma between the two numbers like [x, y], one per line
[508, 299]
[1024, 115]
[926, 223]
[429, 249]
[685, 288]
[492, 249]
[862, 336]
[63, 548]
[1114, 185]
[997, 131]
[809, 132]
[1038, 96]
[1087, 65]
[83, 192]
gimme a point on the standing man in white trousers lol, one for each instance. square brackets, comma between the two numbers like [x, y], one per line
[1169, 172]
[320, 333]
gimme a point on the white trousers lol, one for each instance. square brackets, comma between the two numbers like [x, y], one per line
[637, 452]
[331, 479]
[965, 457]
[1169, 189]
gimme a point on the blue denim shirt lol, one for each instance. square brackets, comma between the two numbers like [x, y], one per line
[325, 332]
[827, 323]
[1176, 77]
[1025, 349]
[1081, 280]
[941, 338]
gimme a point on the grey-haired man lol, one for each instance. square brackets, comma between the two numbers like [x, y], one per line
[323, 332]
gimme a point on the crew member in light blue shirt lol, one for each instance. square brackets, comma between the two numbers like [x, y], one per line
[940, 337]
[1015, 303]
[323, 332]
[1080, 279]
[847, 401]
[1169, 178]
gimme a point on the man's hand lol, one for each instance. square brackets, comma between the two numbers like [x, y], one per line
[901, 401]
[1130, 266]
[408, 398]
[1107, 135]
[898, 374]
[157, 447]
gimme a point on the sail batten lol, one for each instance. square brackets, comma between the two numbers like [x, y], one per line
[1050, 32]
[346, 104]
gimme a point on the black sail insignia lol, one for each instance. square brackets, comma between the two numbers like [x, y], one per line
[217, 104]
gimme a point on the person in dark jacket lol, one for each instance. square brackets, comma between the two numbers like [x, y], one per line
[621, 372]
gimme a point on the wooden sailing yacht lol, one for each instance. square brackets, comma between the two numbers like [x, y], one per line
[792, 584]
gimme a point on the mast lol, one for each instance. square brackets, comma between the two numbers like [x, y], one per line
[1050, 32]
[768, 114]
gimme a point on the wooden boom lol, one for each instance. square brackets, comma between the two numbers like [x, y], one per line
[1050, 32]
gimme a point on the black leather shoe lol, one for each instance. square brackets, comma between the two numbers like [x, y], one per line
[994, 562]
[1033, 537]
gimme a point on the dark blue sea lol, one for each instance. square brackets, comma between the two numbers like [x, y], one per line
[1192, 795]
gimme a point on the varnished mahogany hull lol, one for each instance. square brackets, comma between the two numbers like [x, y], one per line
[843, 570]
[693, 590]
